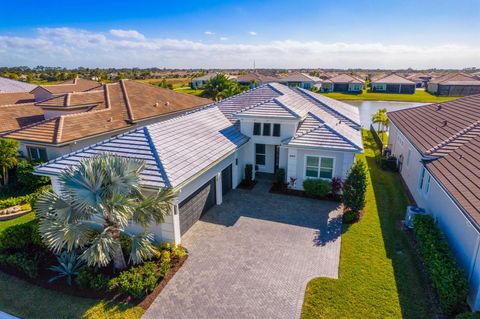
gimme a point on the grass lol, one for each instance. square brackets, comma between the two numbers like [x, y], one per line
[176, 82]
[25, 300]
[380, 275]
[418, 96]
[189, 90]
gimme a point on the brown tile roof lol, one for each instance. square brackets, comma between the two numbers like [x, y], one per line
[299, 77]
[123, 104]
[16, 98]
[14, 117]
[456, 79]
[94, 98]
[69, 86]
[448, 134]
[259, 78]
[392, 79]
[344, 78]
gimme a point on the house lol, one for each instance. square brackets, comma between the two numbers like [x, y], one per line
[203, 154]
[393, 83]
[12, 86]
[301, 80]
[72, 121]
[454, 84]
[198, 83]
[420, 79]
[342, 83]
[255, 79]
[438, 150]
[43, 92]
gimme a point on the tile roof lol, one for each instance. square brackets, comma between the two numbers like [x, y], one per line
[14, 117]
[344, 78]
[122, 104]
[456, 79]
[174, 150]
[448, 134]
[299, 77]
[392, 79]
[16, 98]
[70, 86]
[259, 78]
[11, 86]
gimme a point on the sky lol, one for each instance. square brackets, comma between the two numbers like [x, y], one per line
[235, 34]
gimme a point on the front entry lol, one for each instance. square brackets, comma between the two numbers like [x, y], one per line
[192, 208]
[227, 179]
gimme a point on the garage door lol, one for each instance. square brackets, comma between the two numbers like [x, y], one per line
[227, 179]
[192, 208]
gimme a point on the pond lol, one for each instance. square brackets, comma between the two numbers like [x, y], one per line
[368, 108]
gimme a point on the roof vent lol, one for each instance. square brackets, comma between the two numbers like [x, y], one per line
[156, 104]
[167, 103]
[445, 123]
[110, 119]
[439, 107]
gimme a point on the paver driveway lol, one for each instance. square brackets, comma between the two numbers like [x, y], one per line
[252, 256]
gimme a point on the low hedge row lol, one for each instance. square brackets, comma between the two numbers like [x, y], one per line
[20, 200]
[448, 279]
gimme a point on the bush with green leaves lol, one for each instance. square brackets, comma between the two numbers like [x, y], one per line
[355, 187]
[137, 281]
[89, 279]
[317, 187]
[448, 279]
[468, 315]
[25, 199]
[25, 175]
[179, 251]
[280, 177]
[68, 266]
[21, 237]
[22, 261]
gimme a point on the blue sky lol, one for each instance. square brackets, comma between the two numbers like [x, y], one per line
[231, 34]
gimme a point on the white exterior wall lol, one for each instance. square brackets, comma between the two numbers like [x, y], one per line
[459, 232]
[432, 87]
[296, 163]
[41, 94]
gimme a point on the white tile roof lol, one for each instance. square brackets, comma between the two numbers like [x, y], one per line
[11, 86]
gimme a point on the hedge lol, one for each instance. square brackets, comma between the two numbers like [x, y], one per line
[317, 187]
[448, 279]
[20, 200]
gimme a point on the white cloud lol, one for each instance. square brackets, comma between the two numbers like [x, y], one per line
[209, 33]
[74, 47]
[253, 33]
[127, 34]
[223, 38]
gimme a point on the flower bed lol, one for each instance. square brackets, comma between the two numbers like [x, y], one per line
[23, 255]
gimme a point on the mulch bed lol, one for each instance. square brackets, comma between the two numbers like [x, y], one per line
[61, 285]
[276, 189]
[248, 186]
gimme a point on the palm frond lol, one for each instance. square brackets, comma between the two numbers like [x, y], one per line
[155, 208]
[142, 248]
[58, 235]
[101, 251]
[50, 204]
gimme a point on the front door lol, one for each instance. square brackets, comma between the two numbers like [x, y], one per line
[277, 157]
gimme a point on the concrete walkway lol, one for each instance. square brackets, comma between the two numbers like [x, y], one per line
[252, 256]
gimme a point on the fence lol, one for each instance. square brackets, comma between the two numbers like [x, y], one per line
[377, 138]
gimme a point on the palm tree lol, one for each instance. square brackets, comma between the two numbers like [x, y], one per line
[8, 157]
[99, 198]
[380, 117]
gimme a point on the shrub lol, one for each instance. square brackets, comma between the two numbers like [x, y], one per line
[68, 266]
[137, 281]
[355, 186]
[164, 246]
[179, 251]
[21, 261]
[468, 315]
[350, 217]
[88, 279]
[164, 269]
[280, 177]
[21, 237]
[317, 187]
[336, 185]
[389, 164]
[447, 277]
[249, 173]
[25, 175]
[165, 257]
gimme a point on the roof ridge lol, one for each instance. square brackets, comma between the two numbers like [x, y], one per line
[312, 129]
[127, 101]
[59, 131]
[283, 105]
[333, 130]
[156, 156]
[455, 137]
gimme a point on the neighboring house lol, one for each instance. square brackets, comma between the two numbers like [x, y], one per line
[76, 120]
[454, 84]
[198, 83]
[393, 83]
[420, 79]
[255, 79]
[342, 83]
[203, 154]
[438, 147]
[43, 92]
[12, 86]
[301, 80]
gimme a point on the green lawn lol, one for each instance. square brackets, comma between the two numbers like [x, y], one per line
[418, 96]
[379, 273]
[25, 300]
[189, 90]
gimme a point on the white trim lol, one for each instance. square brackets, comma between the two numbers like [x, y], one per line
[305, 156]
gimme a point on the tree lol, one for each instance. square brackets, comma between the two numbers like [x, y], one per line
[220, 87]
[8, 157]
[26, 178]
[103, 190]
[355, 186]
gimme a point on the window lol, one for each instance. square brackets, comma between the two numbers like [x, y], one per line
[408, 157]
[266, 129]
[276, 129]
[260, 154]
[427, 183]
[37, 154]
[422, 175]
[319, 167]
[424, 183]
[256, 128]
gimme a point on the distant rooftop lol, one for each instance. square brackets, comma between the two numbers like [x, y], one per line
[12, 86]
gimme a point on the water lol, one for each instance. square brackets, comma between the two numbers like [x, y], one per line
[368, 108]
